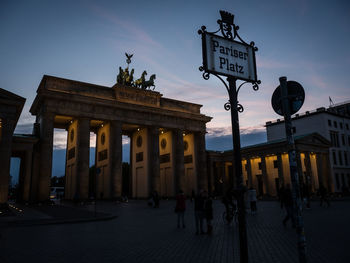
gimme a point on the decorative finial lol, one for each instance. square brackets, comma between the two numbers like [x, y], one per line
[128, 58]
[227, 17]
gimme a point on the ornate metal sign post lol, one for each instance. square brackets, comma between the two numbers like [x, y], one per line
[236, 60]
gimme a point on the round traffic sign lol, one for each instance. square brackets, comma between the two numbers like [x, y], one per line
[296, 97]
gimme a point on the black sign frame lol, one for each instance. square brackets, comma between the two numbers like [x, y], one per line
[205, 58]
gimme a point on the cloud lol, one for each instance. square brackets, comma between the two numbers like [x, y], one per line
[220, 139]
[129, 29]
[223, 131]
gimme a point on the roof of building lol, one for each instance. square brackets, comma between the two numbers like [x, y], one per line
[341, 110]
[8, 100]
[280, 141]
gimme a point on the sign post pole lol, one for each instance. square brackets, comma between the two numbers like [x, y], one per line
[297, 206]
[237, 170]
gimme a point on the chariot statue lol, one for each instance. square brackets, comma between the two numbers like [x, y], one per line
[127, 79]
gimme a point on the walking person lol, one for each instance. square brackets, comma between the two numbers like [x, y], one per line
[193, 195]
[180, 208]
[306, 196]
[155, 199]
[208, 208]
[252, 199]
[287, 201]
[199, 212]
[230, 206]
[324, 196]
[280, 195]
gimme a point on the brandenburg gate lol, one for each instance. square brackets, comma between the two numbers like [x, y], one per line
[167, 138]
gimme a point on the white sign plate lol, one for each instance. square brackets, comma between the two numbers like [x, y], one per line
[229, 58]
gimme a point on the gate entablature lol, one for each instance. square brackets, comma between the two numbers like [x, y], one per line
[78, 99]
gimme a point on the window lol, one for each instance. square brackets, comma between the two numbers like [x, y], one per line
[349, 140]
[347, 126]
[139, 157]
[334, 158]
[335, 124]
[340, 158]
[337, 180]
[346, 158]
[329, 123]
[341, 125]
[343, 139]
[334, 138]
[259, 164]
[294, 130]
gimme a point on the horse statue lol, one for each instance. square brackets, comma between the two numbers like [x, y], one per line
[149, 83]
[139, 82]
[129, 79]
[120, 76]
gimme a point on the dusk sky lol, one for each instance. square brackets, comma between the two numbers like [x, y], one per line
[307, 41]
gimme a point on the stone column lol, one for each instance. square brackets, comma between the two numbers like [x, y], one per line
[178, 161]
[249, 173]
[7, 127]
[265, 175]
[280, 169]
[299, 168]
[82, 161]
[131, 168]
[27, 173]
[200, 158]
[153, 158]
[67, 186]
[309, 179]
[46, 121]
[319, 160]
[327, 174]
[35, 172]
[115, 159]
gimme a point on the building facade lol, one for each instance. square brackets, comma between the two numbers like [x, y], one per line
[332, 123]
[11, 106]
[265, 166]
[167, 139]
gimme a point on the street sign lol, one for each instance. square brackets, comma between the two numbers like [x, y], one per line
[223, 56]
[296, 97]
[228, 57]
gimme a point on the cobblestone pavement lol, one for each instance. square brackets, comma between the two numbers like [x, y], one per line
[144, 234]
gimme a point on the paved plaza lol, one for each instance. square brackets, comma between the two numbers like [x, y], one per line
[135, 232]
